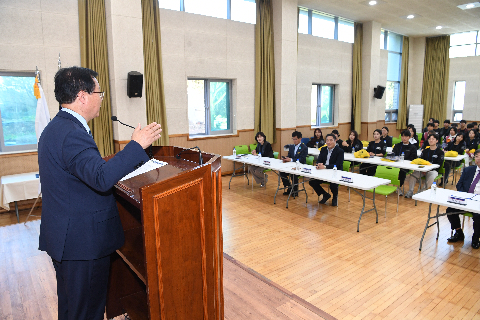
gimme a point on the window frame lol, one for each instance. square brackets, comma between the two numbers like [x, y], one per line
[310, 18]
[389, 112]
[318, 117]
[17, 148]
[206, 95]
[475, 44]
[229, 10]
[455, 112]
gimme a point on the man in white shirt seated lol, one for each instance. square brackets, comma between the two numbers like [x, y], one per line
[469, 182]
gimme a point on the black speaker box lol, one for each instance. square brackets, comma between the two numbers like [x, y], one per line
[134, 84]
[378, 92]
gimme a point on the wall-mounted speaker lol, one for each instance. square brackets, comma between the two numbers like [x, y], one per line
[378, 92]
[134, 84]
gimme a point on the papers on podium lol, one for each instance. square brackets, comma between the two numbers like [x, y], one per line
[152, 164]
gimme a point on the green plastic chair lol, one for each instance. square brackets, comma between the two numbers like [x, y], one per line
[392, 175]
[455, 169]
[310, 160]
[420, 136]
[275, 154]
[396, 140]
[240, 149]
[253, 146]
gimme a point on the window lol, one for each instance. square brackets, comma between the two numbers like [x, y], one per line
[325, 25]
[237, 10]
[322, 101]
[18, 108]
[393, 43]
[465, 44]
[458, 100]
[209, 106]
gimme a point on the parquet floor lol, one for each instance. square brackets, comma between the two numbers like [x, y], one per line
[315, 252]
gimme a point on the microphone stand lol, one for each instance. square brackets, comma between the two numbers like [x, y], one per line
[150, 149]
[200, 158]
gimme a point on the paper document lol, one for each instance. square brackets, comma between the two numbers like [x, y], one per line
[152, 164]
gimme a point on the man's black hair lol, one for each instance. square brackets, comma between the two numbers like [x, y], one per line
[446, 121]
[406, 133]
[454, 129]
[470, 126]
[433, 135]
[430, 124]
[436, 121]
[70, 81]
[330, 135]
[297, 134]
[463, 121]
[386, 128]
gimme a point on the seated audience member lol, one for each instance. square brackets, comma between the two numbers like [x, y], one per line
[468, 183]
[386, 138]
[317, 138]
[375, 148]
[353, 144]
[413, 138]
[471, 143]
[330, 156]
[463, 128]
[265, 149]
[436, 127]
[475, 127]
[452, 135]
[296, 151]
[434, 155]
[429, 121]
[409, 153]
[337, 137]
[446, 129]
[455, 125]
[456, 145]
[430, 127]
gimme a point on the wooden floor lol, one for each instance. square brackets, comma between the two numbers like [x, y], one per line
[315, 252]
[28, 286]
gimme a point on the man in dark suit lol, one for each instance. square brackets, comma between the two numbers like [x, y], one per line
[80, 224]
[330, 156]
[469, 182]
[296, 151]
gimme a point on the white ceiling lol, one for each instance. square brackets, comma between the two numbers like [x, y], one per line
[391, 14]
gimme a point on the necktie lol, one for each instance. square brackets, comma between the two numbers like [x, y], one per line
[474, 183]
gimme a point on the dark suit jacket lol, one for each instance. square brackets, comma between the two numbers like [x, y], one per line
[466, 179]
[80, 219]
[336, 158]
[301, 154]
[267, 150]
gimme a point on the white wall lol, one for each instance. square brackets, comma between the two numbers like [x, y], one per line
[323, 61]
[205, 47]
[33, 33]
[467, 69]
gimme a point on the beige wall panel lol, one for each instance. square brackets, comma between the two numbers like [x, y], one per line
[465, 69]
[18, 163]
[60, 30]
[30, 5]
[21, 27]
[173, 42]
[415, 70]
[174, 69]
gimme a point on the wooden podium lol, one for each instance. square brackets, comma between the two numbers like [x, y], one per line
[171, 264]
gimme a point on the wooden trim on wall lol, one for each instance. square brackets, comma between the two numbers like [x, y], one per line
[328, 127]
[121, 141]
[11, 155]
[285, 129]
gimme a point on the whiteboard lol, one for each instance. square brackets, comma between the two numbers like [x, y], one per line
[415, 116]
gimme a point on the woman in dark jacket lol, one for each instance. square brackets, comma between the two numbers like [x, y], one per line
[457, 145]
[352, 142]
[265, 149]
[317, 137]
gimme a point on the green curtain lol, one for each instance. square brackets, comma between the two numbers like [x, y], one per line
[402, 108]
[435, 78]
[152, 54]
[94, 55]
[264, 71]
[357, 78]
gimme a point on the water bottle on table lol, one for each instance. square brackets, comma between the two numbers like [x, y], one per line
[335, 171]
[434, 188]
[234, 152]
[402, 157]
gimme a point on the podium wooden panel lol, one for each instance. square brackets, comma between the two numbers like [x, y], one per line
[171, 264]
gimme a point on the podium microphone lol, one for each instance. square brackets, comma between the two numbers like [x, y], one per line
[114, 118]
[200, 158]
[150, 151]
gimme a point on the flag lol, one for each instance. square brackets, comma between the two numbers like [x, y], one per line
[43, 116]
